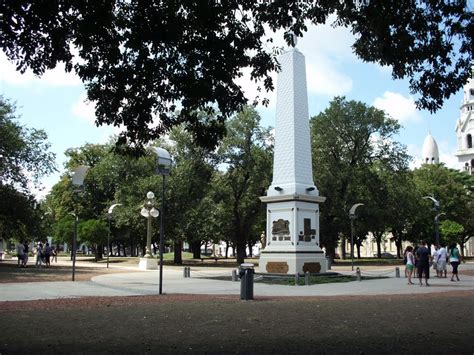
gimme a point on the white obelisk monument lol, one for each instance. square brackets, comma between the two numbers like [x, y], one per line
[292, 240]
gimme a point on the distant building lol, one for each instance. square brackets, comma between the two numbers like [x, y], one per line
[430, 150]
[465, 129]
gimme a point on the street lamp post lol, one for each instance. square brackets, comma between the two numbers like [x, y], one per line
[109, 214]
[353, 216]
[148, 211]
[163, 169]
[436, 219]
[78, 176]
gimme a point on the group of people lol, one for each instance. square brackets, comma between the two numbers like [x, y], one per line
[43, 254]
[418, 261]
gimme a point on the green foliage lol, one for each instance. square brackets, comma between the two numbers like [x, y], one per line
[140, 58]
[22, 150]
[450, 231]
[353, 155]
[24, 158]
[454, 191]
[92, 231]
[248, 157]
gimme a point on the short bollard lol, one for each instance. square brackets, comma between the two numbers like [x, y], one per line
[234, 275]
[397, 272]
[246, 272]
[297, 279]
[306, 278]
[358, 274]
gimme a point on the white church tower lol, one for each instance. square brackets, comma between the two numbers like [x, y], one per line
[430, 150]
[465, 128]
[292, 233]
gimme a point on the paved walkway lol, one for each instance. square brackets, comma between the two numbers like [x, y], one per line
[134, 283]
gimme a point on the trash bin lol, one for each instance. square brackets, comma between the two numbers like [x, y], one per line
[246, 272]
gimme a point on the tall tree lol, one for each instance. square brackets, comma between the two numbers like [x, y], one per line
[140, 59]
[188, 208]
[350, 141]
[454, 191]
[247, 153]
[24, 159]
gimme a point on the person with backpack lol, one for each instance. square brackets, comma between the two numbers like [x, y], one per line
[454, 259]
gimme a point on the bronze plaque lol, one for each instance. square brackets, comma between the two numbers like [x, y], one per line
[312, 268]
[277, 267]
[281, 227]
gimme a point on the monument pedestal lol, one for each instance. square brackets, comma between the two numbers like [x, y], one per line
[292, 262]
[148, 264]
[293, 231]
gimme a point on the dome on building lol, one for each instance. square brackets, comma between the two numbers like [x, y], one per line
[430, 150]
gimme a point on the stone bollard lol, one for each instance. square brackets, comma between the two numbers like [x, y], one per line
[297, 279]
[234, 275]
[397, 272]
[358, 277]
[306, 278]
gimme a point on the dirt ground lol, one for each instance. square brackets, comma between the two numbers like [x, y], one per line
[428, 323]
[437, 323]
[10, 272]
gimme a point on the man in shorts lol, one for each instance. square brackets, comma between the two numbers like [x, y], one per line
[423, 256]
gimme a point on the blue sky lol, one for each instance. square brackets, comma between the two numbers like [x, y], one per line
[56, 104]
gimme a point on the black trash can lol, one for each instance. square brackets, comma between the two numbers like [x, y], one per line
[246, 272]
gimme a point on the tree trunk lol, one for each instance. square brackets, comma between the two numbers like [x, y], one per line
[241, 254]
[226, 249]
[358, 250]
[196, 249]
[379, 247]
[100, 252]
[343, 248]
[178, 257]
[250, 245]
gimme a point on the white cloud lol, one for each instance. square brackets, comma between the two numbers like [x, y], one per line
[54, 77]
[401, 108]
[84, 109]
[323, 78]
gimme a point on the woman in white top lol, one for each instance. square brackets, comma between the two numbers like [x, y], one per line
[410, 263]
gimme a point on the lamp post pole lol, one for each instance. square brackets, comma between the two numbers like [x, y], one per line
[353, 216]
[74, 246]
[164, 167]
[436, 209]
[78, 177]
[162, 233]
[109, 214]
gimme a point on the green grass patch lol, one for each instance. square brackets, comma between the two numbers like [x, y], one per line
[313, 280]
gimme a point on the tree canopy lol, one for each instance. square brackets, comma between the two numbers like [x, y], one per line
[24, 159]
[139, 59]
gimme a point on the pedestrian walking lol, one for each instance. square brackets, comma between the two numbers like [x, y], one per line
[442, 258]
[454, 259]
[26, 250]
[54, 254]
[39, 255]
[423, 256]
[410, 265]
[434, 258]
[47, 254]
[19, 254]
